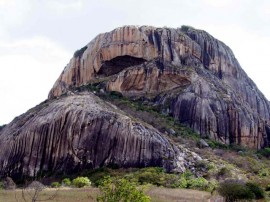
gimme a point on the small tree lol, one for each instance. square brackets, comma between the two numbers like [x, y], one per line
[121, 190]
[233, 190]
[55, 184]
[66, 182]
[81, 182]
[33, 191]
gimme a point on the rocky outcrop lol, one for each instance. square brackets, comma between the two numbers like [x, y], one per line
[83, 132]
[190, 73]
[187, 73]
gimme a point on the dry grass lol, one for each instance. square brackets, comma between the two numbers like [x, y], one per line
[63, 194]
[157, 194]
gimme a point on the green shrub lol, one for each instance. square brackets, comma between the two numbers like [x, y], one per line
[233, 190]
[187, 175]
[216, 145]
[98, 174]
[202, 164]
[1, 185]
[265, 152]
[80, 52]
[198, 183]
[224, 172]
[183, 182]
[212, 185]
[115, 95]
[121, 190]
[81, 182]
[66, 182]
[55, 184]
[185, 28]
[151, 175]
[256, 189]
[267, 187]
[263, 172]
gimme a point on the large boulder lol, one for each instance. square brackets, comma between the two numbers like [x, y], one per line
[79, 132]
[187, 70]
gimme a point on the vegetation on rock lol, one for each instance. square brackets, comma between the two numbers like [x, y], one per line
[80, 52]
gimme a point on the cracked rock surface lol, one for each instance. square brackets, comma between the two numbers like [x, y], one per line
[83, 132]
[194, 76]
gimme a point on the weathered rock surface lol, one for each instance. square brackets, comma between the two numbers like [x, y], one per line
[188, 73]
[9, 184]
[81, 131]
[193, 75]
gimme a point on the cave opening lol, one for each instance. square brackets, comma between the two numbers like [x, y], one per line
[117, 64]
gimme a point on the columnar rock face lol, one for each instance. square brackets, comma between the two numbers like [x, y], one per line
[190, 75]
[79, 132]
[188, 71]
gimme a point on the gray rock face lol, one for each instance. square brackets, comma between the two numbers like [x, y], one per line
[188, 73]
[83, 132]
[203, 143]
[187, 70]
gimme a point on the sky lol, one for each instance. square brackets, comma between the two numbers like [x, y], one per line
[39, 37]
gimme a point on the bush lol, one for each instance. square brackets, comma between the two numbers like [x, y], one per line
[198, 183]
[233, 190]
[55, 184]
[80, 52]
[265, 152]
[216, 145]
[151, 175]
[81, 182]
[66, 182]
[263, 172]
[183, 182]
[98, 174]
[185, 28]
[115, 95]
[256, 189]
[121, 190]
[224, 172]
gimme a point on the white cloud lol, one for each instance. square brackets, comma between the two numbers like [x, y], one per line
[218, 3]
[14, 12]
[263, 11]
[28, 70]
[62, 6]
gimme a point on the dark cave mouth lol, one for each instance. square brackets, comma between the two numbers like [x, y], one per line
[117, 64]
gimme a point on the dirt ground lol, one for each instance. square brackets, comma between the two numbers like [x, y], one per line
[157, 194]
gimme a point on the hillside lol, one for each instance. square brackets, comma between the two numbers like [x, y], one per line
[138, 97]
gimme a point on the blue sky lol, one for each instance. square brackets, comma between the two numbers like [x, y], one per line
[38, 37]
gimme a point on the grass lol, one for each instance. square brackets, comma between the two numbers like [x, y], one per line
[63, 194]
[157, 194]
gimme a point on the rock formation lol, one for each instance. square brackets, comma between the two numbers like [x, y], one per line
[189, 74]
[83, 132]
[196, 75]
